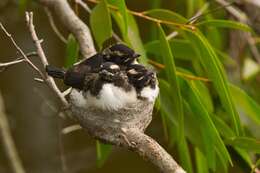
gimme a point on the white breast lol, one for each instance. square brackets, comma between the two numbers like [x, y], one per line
[110, 98]
[150, 93]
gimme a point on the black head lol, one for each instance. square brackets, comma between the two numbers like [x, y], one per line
[108, 71]
[140, 77]
[120, 54]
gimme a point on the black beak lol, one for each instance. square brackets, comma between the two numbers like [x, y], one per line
[136, 55]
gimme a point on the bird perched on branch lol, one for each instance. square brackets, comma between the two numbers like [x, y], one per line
[109, 80]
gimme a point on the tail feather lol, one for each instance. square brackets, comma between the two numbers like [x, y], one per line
[55, 72]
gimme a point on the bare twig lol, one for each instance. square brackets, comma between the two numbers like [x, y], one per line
[8, 142]
[191, 20]
[70, 129]
[5, 65]
[21, 52]
[199, 13]
[53, 26]
[8, 64]
[49, 80]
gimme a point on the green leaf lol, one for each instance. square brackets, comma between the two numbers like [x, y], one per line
[103, 151]
[227, 133]
[170, 68]
[200, 162]
[225, 24]
[246, 103]
[216, 73]
[178, 46]
[100, 23]
[222, 127]
[167, 15]
[244, 155]
[123, 10]
[246, 143]
[211, 136]
[72, 51]
[176, 98]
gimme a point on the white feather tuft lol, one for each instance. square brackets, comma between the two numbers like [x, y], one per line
[111, 98]
[150, 93]
[77, 98]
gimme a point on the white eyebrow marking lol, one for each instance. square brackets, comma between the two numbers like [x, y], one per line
[132, 71]
[114, 66]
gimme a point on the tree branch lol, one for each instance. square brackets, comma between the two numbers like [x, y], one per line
[48, 80]
[147, 147]
[8, 142]
[72, 22]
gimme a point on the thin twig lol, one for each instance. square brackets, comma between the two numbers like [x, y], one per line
[199, 13]
[5, 65]
[49, 80]
[8, 141]
[143, 15]
[20, 51]
[70, 129]
[53, 26]
[191, 20]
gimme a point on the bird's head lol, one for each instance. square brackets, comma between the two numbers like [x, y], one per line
[120, 54]
[108, 71]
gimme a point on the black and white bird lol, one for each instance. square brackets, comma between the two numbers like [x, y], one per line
[109, 80]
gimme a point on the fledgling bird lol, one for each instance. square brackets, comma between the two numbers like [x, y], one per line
[109, 80]
[144, 81]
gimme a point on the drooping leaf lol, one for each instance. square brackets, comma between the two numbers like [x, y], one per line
[227, 133]
[216, 73]
[200, 162]
[204, 121]
[178, 46]
[225, 24]
[166, 15]
[103, 151]
[72, 51]
[250, 144]
[100, 22]
[170, 69]
[168, 60]
[246, 103]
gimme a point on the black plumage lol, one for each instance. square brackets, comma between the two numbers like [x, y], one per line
[115, 64]
[120, 54]
[140, 77]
